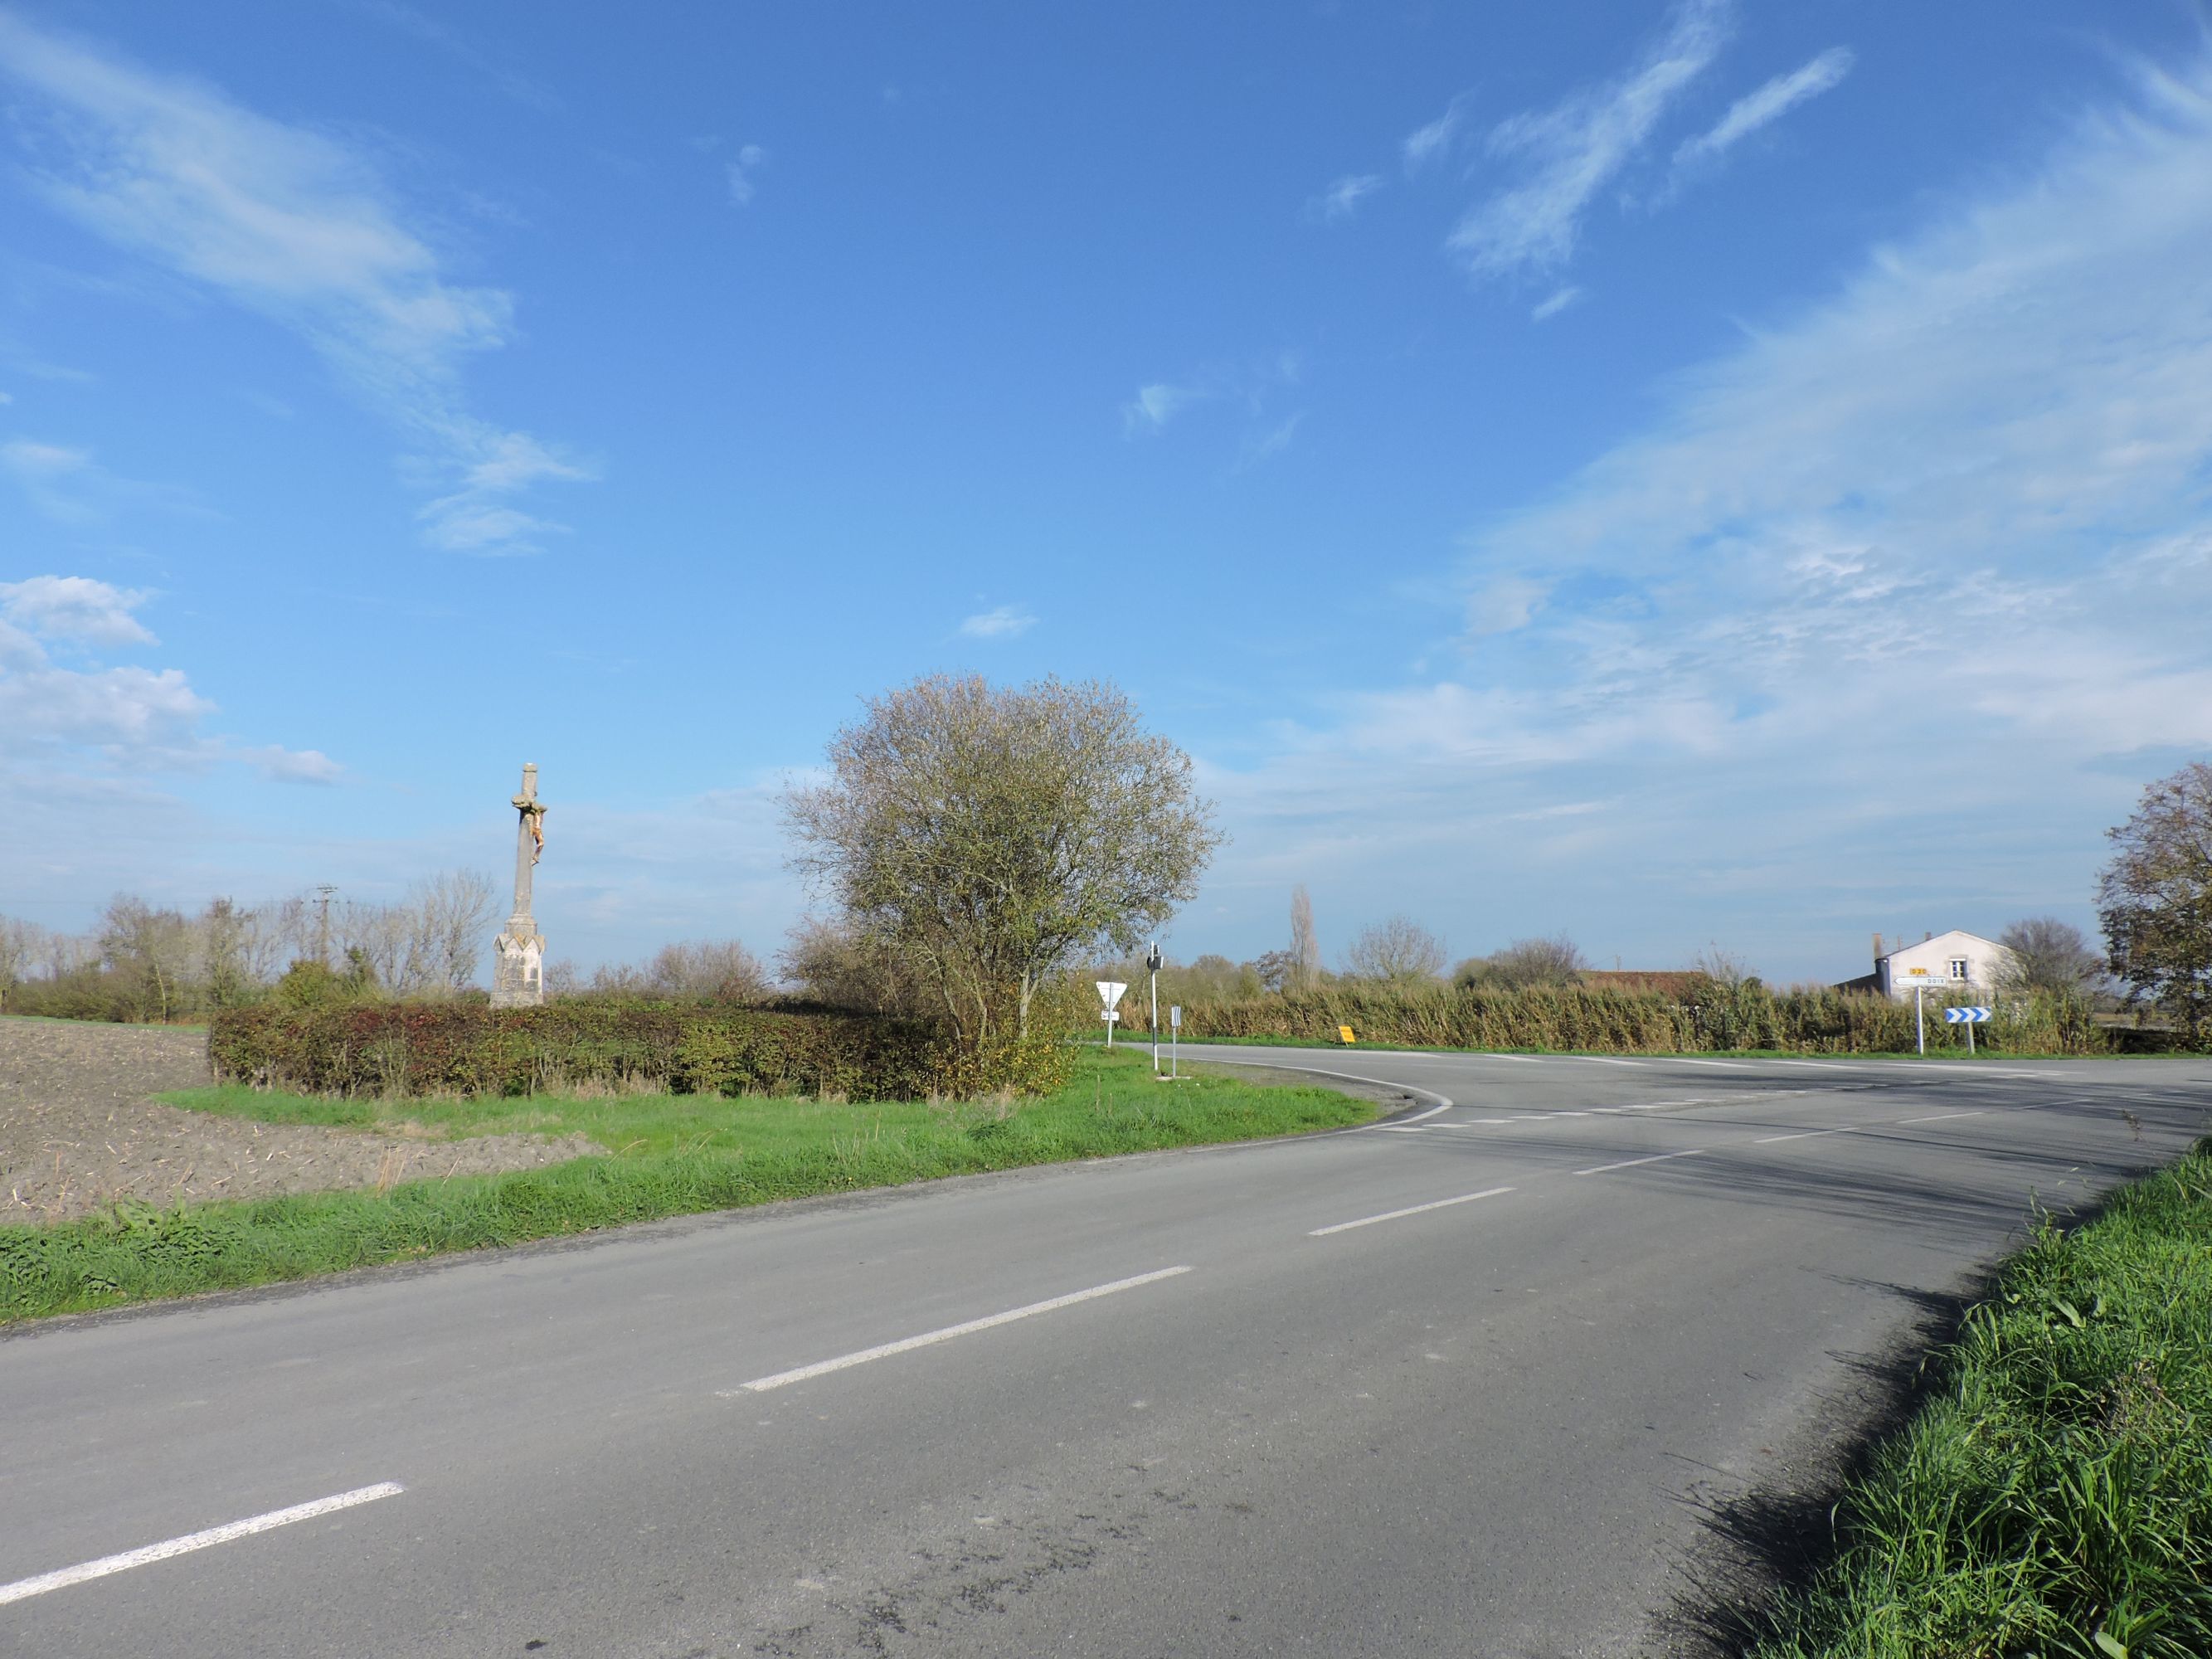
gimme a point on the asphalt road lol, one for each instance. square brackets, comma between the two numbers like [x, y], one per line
[1468, 1384]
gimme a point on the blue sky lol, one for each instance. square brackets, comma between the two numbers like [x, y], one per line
[1706, 473]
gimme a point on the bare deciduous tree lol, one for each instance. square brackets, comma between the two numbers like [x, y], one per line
[151, 947]
[1533, 962]
[722, 969]
[1398, 950]
[22, 947]
[990, 836]
[833, 962]
[2046, 954]
[2155, 897]
[1723, 968]
[453, 912]
[1305, 968]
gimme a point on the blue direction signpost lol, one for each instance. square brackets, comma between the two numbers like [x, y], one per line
[1969, 1018]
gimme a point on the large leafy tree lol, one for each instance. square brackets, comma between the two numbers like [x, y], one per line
[2155, 897]
[990, 836]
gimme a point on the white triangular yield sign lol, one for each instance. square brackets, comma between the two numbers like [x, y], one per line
[1109, 991]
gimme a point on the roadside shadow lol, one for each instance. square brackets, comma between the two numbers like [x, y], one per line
[1758, 1546]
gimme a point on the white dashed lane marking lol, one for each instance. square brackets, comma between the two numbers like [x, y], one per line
[61, 1579]
[907, 1345]
[1630, 1162]
[1413, 1209]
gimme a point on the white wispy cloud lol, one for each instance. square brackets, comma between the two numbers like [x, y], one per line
[443, 36]
[45, 472]
[739, 170]
[1503, 605]
[1425, 144]
[1763, 106]
[1265, 446]
[1255, 384]
[67, 485]
[1900, 602]
[134, 719]
[1342, 198]
[283, 221]
[1570, 152]
[1003, 622]
[1156, 405]
[1557, 301]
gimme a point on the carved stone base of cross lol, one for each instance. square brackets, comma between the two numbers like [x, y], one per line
[517, 967]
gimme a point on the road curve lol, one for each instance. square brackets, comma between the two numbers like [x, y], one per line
[1464, 1383]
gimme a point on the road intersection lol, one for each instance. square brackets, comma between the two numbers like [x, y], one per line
[1467, 1381]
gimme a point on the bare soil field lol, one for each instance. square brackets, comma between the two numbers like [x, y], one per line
[79, 1131]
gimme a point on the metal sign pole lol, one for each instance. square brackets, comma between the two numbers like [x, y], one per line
[1153, 967]
[1970, 1039]
[1109, 993]
[1919, 1019]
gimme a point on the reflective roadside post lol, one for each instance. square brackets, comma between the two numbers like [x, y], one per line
[1153, 967]
[1175, 1040]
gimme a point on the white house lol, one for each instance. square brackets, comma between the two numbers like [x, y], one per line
[1956, 961]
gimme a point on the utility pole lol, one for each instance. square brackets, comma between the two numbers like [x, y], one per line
[323, 927]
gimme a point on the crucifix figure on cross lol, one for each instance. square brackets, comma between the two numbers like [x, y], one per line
[518, 972]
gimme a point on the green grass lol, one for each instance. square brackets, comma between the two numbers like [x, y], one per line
[671, 1155]
[109, 1025]
[2054, 1495]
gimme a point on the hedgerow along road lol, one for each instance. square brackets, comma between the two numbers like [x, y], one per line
[1472, 1381]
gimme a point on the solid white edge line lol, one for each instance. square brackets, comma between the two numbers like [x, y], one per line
[1600, 1059]
[1939, 1117]
[23, 1587]
[1417, 1209]
[1444, 1102]
[1630, 1164]
[1416, 1117]
[1807, 1135]
[905, 1345]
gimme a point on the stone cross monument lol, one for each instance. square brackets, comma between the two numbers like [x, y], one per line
[518, 970]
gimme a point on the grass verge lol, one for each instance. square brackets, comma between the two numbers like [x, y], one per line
[668, 1155]
[2053, 1495]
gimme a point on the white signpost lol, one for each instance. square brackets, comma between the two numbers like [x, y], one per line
[1920, 980]
[1175, 1037]
[1969, 1018]
[1109, 993]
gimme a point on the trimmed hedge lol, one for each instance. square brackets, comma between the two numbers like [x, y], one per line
[398, 1049]
[1804, 1020]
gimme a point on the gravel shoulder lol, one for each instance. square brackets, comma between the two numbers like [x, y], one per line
[78, 1131]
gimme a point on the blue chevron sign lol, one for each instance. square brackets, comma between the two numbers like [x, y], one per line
[1966, 1016]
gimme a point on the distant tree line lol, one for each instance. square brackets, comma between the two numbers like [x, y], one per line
[146, 961]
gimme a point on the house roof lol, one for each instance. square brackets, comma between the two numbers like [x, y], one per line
[1957, 935]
